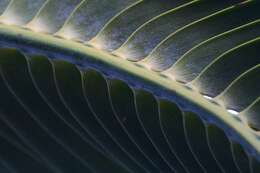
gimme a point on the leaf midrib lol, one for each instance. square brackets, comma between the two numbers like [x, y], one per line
[152, 81]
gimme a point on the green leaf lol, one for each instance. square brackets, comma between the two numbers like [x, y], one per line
[136, 86]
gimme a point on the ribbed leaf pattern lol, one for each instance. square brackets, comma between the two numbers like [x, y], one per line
[80, 86]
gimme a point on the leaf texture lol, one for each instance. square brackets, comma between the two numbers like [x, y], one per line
[129, 86]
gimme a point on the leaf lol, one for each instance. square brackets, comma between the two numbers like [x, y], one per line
[129, 86]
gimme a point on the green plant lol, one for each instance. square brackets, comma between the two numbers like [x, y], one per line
[129, 86]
